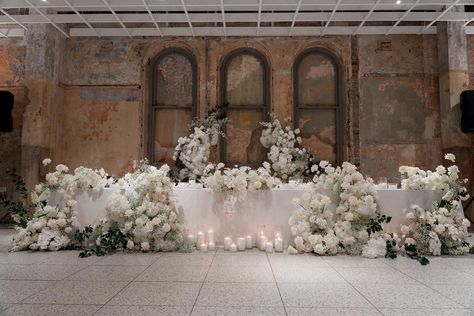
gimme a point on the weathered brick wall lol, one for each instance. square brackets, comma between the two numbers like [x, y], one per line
[12, 67]
[399, 108]
[390, 87]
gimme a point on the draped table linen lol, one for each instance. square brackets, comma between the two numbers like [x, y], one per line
[267, 211]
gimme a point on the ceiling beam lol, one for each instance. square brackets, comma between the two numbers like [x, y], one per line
[81, 17]
[48, 19]
[440, 16]
[403, 16]
[152, 17]
[330, 18]
[187, 17]
[117, 18]
[376, 16]
[13, 19]
[294, 17]
[223, 17]
[259, 17]
[366, 17]
[250, 31]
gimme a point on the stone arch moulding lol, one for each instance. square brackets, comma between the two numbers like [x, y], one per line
[222, 82]
[340, 94]
[149, 90]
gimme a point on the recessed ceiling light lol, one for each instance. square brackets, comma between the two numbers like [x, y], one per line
[398, 1]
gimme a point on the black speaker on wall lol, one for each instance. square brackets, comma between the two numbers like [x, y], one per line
[6, 108]
[467, 109]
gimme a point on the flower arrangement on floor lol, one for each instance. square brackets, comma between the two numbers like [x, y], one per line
[144, 219]
[355, 226]
[141, 216]
[235, 182]
[192, 153]
[286, 157]
[54, 221]
[443, 229]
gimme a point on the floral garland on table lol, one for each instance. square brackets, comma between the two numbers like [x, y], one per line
[356, 226]
[443, 229]
[287, 159]
[52, 227]
[235, 182]
[192, 153]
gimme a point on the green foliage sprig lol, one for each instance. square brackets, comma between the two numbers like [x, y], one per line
[412, 252]
[376, 224]
[19, 210]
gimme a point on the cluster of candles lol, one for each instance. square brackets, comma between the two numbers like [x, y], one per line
[261, 242]
[202, 243]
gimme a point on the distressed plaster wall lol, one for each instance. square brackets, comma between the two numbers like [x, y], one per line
[399, 107]
[390, 88]
[12, 68]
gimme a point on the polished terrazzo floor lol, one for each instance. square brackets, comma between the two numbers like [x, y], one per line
[220, 283]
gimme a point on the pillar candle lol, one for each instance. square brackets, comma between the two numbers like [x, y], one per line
[203, 247]
[241, 244]
[200, 238]
[227, 243]
[259, 240]
[263, 241]
[249, 242]
[210, 235]
[279, 244]
[269, 247]
[211, 246]
[191, 238]
[233, 247]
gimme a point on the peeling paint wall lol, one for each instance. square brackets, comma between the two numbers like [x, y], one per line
[389, 85]
[399, 109]
[12, 68]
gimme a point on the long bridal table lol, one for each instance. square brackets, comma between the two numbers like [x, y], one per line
[270, 210]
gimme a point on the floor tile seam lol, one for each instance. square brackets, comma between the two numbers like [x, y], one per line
[202, 283]
[123, 288]
[433, 289]
[357, 290]
[277, 286]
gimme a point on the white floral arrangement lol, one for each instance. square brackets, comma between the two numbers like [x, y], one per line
[54, 220]
[443, 229]
[312, 224]
[357, 224]
[287, 159]
[192, 153]
[235, 182]
[148, 217]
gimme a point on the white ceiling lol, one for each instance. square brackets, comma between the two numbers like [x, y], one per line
[232, 17]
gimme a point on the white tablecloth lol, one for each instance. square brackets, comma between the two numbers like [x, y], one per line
[269, 211]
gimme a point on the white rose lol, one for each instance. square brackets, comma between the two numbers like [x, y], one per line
[439, 229]
[450, 157]
[363, 235]
[466, 222]
[319, 249]
[292, 250]
[145, 246]
[46, 161]
[410, 241]
[166, 228]
[405, 229]
[130, 244]
[349, 216]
